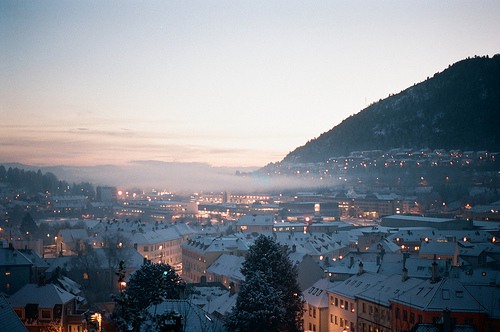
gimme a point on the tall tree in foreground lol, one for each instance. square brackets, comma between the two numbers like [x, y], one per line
[270, 298]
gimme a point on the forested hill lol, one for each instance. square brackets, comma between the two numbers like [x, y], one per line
[458, 108]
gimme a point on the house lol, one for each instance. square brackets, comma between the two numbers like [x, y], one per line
[255, 223]
[42, 306]
[373, 306]
[342, 305]
[184, 317]
[70, 241]
[199, 253]
[316, 306]
[10, 321]
[425, 304]
[15, 270]
[227, 270]
[441, 250]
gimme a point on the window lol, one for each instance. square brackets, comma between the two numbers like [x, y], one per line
[412, 317]
[336, 320]
[341, 322]
[310, 311]
[146, 248]
[405, 315]
[397, 313]
[336, 302]
[370, 310]
[364, 307]
[346, 305]
[331, 318]
[420, 320]
[46, 314]
[314, 312]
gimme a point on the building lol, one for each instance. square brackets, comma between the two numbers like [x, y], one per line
[255, 223]
[10, 320]
[342, 305]
[106, 194]
[417, 221]
[426, 302]
[227, 270]
[43, 306]
[15, 270]
[373, 306]
[199, 252]
[316, 306]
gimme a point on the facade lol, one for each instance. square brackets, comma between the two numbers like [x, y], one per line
[373, 306]
[417, 221]
[199, 252]
[227, 270]
[41, 307]
[15, 270]
[426, 302]
[161, 246]
[255, 223]
[316, 307]
[342, 306]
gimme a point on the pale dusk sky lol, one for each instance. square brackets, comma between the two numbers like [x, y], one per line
[228, 83]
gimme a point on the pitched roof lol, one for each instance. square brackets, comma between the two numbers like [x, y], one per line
[356, 284]
[446, 293]
[10, 320]
[9, 257]
[228, 265]
[46, 296]
[316, 295]
[389, 288]
[194, 319]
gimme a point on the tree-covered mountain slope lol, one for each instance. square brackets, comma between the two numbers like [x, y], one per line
[458, 108]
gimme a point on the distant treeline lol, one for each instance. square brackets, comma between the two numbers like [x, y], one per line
[33, 182]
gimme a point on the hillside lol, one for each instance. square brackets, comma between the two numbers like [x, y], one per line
[458, 108]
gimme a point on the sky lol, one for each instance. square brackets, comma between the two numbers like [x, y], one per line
[226, 83]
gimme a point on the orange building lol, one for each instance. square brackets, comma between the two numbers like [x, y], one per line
[426, 302]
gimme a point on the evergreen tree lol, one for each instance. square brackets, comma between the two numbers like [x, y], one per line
[270, 298]
[150, 285]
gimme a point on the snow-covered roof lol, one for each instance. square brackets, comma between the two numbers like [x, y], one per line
[221, 304]
[46, 296]
[194, 319]
[356, 284]
[316, 295]
[73, 234]
[392, 286]
[438, 248]
[228, 265]
[446, 293]
[10, 256]
[10, 320]
[256, 220]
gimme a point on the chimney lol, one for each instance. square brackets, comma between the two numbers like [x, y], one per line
[232, 289]
[351, 261]
[434, 272]
[405, 274]
[360, 270]
[378, 260]
[294, 248]
[447, 323]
